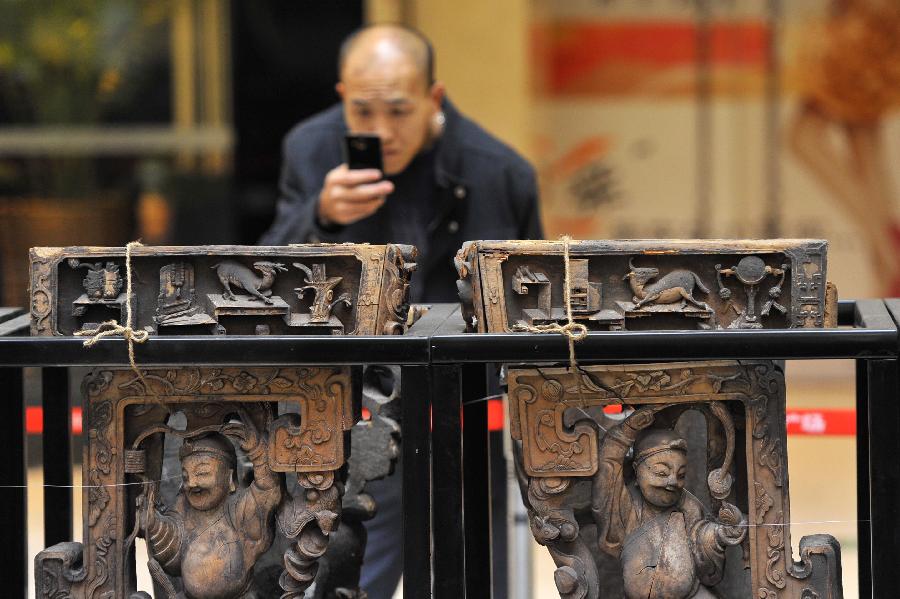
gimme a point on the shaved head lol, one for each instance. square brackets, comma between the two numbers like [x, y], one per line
[387, 89]
[375, 44]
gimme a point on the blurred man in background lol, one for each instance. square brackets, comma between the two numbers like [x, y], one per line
[445, 181]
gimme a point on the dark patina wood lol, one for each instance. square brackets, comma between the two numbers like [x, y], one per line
[647, 284]
[261, 453]
[658, 481]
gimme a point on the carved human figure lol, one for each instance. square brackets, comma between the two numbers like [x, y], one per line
[667, 543]
[216, 531]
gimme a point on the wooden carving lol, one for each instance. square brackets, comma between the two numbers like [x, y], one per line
[205, 541]
[259, 287]
[224, 289]
[510, 286]
[657, 481]
[632, 505]
[261, 454]
[375, 450]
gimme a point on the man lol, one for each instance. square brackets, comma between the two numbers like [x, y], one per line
[445, 181]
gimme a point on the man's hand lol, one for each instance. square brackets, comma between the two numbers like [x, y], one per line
[350, 195]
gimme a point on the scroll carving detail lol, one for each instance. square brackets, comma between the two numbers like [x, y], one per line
[621, 464]
[205, 542]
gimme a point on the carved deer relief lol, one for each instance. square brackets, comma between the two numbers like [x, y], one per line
[232, 273]
[673, 287]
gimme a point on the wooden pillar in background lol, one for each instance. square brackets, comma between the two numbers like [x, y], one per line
[215, 57]
[184, 90]
[482, 57]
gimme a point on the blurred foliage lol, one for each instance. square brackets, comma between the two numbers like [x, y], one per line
[81, 63]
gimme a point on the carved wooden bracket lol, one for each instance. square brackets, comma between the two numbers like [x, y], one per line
[657, 481]
[583, 440]
[245, 428]
[127, 430]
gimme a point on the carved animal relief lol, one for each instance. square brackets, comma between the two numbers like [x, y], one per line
[644, 285]
[224, 289]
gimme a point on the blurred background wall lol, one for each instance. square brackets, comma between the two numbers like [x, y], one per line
[659, 118]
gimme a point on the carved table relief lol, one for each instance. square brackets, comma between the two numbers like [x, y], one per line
[257, 463]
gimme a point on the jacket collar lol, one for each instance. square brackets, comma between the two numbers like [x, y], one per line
[448, 161]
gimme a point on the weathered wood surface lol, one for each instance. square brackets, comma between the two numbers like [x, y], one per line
[261, 453]
[632, 503]
[647, 284]
[344, 289]
[657, 481]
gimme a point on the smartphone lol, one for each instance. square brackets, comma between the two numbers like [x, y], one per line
[363, 151]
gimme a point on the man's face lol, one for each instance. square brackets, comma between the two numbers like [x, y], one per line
[661, 477]
[391, 100]
[206, 480]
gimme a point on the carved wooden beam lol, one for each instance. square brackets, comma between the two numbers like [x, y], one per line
[647, 284]
[224, 289]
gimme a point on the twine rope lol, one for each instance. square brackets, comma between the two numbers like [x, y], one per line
[573, 331]
[111, 328]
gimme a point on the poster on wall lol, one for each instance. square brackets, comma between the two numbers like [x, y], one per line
[739, 118]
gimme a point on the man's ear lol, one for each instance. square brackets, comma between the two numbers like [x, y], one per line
[436, 93]
[339, 88]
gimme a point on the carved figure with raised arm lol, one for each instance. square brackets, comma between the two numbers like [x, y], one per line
[215, 532]
[667, 543]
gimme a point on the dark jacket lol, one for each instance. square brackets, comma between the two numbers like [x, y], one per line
[486, 191]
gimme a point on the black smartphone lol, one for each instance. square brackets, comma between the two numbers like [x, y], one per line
[363, 151]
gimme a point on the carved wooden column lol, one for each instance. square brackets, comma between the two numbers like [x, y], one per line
[661, 481]
[243, 429]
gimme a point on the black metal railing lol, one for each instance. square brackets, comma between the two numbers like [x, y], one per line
[446, 536]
